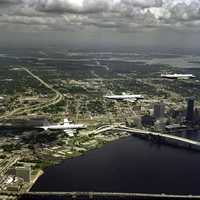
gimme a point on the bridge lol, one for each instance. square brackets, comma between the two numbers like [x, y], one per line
[103, 129]
[92, 195]
[141, 132]
[162, 135]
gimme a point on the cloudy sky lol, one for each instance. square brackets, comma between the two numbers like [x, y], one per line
[107, 21]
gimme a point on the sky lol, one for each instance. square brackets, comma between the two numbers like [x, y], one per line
[100, 22]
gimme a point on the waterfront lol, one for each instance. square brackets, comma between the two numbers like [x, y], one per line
[128, 165]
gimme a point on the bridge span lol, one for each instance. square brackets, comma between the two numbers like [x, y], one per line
[94, 195]
[161, 135]
[169, 137]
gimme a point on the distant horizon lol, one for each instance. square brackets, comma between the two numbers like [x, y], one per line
[101, 24]
[97, 48]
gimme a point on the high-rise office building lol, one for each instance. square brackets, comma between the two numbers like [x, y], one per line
[196, 116]
[190, 109]
[159, 110]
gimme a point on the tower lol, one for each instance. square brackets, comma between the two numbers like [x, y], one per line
[159, 110]
[190, 109]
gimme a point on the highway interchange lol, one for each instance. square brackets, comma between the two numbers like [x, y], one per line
[20, 111]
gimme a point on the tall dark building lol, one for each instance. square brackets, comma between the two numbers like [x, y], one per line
[159, 110]
[190, 109]
[196, 116]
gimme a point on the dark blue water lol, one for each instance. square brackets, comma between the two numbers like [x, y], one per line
[128, 165]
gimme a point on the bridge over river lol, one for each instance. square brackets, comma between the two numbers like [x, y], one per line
[169, 137]
[91, 195]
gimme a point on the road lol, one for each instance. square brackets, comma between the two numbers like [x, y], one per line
[20, 111]
[7, 163]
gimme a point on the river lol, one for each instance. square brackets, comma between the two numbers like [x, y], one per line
[127, 165]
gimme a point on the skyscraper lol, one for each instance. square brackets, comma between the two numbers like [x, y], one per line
[190, 109]
[159, 110]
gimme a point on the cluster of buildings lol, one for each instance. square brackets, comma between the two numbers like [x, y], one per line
[14, 176]
[161, 118]
[18, 177]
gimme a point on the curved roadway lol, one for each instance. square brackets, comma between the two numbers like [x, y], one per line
[20, 111]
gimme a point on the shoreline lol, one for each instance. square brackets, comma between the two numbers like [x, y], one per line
[35, 178]
[42, 171]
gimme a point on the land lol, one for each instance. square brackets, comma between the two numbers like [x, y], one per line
[38, 86]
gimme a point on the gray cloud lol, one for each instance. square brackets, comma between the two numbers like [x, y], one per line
[10, 2]
[123, 15]
[143, 3]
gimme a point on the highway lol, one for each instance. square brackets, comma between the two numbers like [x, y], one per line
[20, 111]
[58, 96]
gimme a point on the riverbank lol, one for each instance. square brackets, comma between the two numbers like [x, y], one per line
[92, 144]
[126, 165]
[34, 178]
[43, 165]
[84, 146]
